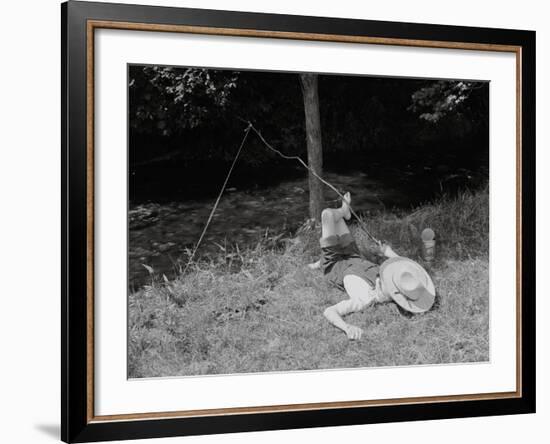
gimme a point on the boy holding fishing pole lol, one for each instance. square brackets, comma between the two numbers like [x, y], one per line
[397, 279]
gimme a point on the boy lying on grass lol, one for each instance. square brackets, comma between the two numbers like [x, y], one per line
[398, 279]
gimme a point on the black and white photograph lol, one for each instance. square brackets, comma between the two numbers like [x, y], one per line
[241, 221]
[283, 221]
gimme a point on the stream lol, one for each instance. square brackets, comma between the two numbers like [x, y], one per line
[161, 233]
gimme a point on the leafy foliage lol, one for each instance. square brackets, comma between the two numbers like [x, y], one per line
[441, 98]
[186, 124]
[172, 99]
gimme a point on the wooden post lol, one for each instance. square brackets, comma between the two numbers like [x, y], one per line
[314, 143]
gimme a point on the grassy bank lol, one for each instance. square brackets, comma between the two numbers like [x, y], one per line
[261, 309]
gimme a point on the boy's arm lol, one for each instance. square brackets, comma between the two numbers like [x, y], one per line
[373, 253]
[387, 251]
[334, 316]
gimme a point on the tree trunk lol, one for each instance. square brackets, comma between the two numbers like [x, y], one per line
[314, 143]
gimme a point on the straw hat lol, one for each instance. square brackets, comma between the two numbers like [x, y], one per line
[408, 284]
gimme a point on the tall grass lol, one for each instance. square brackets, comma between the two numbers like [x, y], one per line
[461, 224]
[260, 309]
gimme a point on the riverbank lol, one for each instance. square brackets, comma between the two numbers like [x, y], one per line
[260, 309]
[161, 234]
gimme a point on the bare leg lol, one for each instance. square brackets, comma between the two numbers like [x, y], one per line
[341, 227]
[333, 219]
[333, 223]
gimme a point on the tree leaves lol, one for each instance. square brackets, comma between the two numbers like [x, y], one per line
[440, 98]
[171, 99]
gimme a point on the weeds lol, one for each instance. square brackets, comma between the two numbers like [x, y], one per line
[260, 309]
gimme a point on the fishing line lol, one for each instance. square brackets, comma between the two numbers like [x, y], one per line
[332, 187]
[246, 133]
[249, 128]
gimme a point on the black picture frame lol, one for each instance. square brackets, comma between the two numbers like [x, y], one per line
[77, 424]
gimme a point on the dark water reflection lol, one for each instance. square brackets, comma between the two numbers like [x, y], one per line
[160, 233]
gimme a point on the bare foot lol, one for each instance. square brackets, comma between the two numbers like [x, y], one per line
[346, 213]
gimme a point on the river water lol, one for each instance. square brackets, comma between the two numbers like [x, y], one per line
[161, 233]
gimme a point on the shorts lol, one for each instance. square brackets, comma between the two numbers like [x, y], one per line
[341, 257]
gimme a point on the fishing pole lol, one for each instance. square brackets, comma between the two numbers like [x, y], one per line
[328, 184]
[251, 127]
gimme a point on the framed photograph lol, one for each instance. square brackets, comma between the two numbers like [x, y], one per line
[276, 221]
